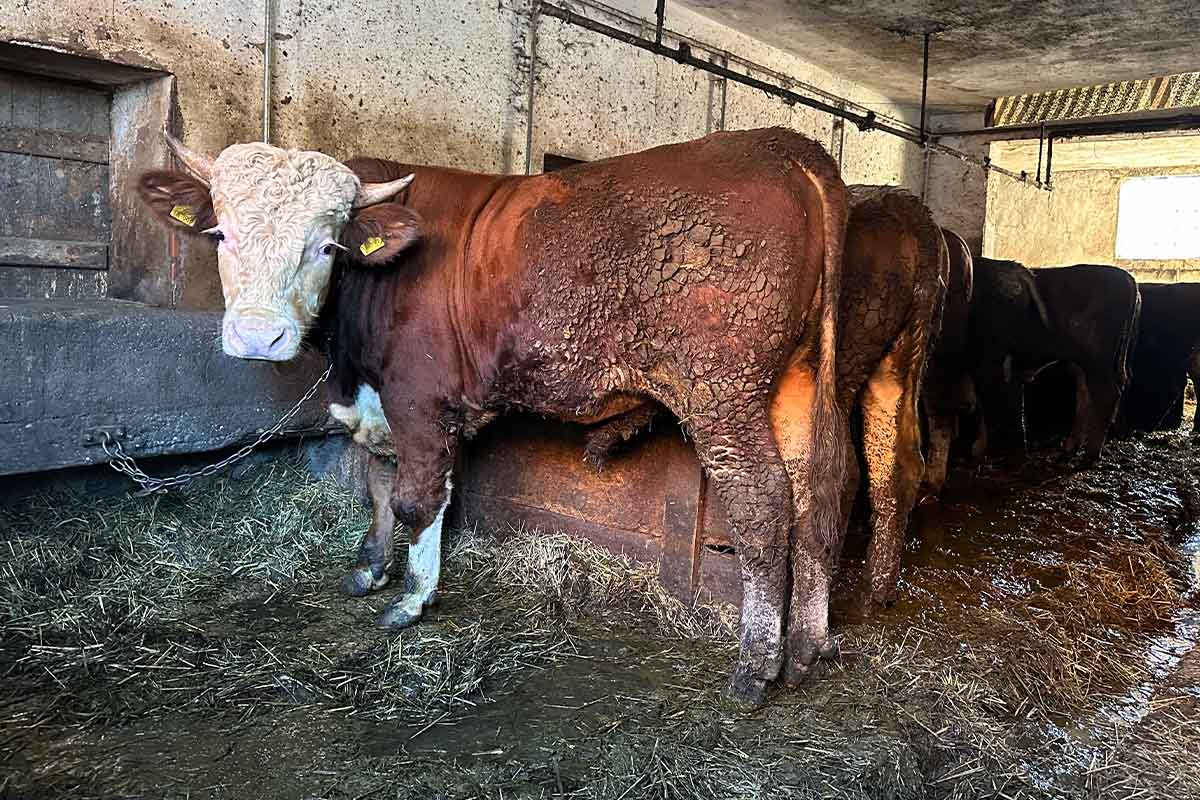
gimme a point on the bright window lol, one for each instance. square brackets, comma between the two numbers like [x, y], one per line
[1159, 218]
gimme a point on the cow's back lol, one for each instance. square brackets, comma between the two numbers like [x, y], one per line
[661, 268]
[1170, 322]
[1094, 309]
[891, 267]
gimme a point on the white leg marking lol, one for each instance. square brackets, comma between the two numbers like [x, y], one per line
[366, 421]
[347, 415]
[424, 566]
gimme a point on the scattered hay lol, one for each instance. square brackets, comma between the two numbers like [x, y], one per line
[571, 578]
[212, 618]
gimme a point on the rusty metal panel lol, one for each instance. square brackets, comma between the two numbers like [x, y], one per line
[649, 502]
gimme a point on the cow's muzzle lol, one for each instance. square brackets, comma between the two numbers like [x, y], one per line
[258, 337]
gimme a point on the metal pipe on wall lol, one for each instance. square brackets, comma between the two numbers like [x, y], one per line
[924, 88]
[268, 61]
[533, 31]
[1064, 129]
[682, 53]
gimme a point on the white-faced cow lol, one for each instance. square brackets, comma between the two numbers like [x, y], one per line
[702, 275]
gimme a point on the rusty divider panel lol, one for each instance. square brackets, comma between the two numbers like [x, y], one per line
[651, 501]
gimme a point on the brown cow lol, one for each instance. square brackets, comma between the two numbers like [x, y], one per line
[894, 276]
[702, 275]
[893, 284]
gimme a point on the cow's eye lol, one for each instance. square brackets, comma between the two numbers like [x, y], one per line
[329, 248]
[215, 235]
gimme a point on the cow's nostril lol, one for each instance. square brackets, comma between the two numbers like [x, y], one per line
[278, 338]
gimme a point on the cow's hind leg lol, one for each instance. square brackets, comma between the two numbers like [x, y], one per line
[1098, 394]
[892, 450]
[942, 424]
[812, 560]
[375, 551]
[743, 462]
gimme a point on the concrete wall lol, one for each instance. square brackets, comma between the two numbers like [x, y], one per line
[73, 368]
[955, 191]
[1076, 223]
[440, 82]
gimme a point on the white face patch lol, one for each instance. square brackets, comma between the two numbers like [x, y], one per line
[278, 211]
[366, 421]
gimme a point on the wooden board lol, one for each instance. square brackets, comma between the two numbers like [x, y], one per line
[28, 252]
[55, 210]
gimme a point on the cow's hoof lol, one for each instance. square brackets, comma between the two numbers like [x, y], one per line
[406, 611]
[804, 657]
[875, 602]
[745, 691]
[361, 582]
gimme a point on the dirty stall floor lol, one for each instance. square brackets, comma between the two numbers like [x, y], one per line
[195, 646]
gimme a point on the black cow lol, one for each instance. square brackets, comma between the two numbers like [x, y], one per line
[1083, 317]
[1166, 354]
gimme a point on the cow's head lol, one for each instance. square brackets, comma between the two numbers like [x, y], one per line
[278, 218]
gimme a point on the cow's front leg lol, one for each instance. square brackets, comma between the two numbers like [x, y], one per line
[419, 499]
[424, 564]
[375, 551]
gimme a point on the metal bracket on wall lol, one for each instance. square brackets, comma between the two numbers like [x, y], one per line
[96, 437]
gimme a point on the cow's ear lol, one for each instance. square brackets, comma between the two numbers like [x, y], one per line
[178, 199]
[377, 234]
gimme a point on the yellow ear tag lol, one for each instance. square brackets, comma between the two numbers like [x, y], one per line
[185, 215]
[371, 245]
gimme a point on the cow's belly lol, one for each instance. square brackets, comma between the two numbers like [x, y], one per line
[365, 421]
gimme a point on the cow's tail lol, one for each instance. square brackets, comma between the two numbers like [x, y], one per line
[1038, 302]
[830, 436]
[1129, 332]
[1124, 368]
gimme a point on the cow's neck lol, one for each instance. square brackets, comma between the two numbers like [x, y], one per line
[438, 315]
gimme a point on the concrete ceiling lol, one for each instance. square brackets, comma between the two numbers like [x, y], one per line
[981, 48]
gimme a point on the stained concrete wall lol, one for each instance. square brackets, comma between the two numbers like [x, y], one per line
[440, 82]
[1074, 224]
[955, 191]
[151, 377]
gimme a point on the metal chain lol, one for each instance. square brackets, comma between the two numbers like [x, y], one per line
[124, 464]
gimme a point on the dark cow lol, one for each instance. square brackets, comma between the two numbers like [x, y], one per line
[1166, 354]
[1022, 322]
[1008, 320]
[948, 394]
[1095, 311]
[704, 276]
